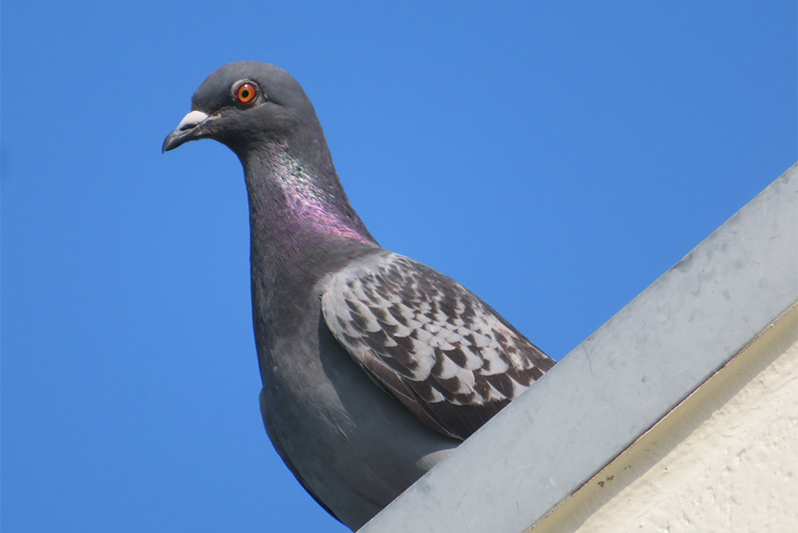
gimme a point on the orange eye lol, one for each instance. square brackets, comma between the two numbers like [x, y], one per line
[246, 92]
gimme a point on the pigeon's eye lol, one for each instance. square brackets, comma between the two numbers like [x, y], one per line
[246, 92]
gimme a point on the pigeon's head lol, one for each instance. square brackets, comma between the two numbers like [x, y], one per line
[244, 105]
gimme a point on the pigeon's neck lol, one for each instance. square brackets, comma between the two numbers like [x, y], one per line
[297, 203]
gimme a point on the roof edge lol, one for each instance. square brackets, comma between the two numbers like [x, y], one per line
[619, 382]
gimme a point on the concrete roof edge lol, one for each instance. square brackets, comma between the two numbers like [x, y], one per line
[619, 382]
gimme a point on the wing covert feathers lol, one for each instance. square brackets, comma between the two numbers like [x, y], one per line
[439, 349]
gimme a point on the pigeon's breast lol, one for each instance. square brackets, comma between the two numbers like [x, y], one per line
[353, 446]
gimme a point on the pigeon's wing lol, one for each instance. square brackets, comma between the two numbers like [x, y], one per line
[440, 350]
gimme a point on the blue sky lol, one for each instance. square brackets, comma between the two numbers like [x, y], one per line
[555, 158]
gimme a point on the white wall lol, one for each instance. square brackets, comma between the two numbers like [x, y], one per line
[725, 460]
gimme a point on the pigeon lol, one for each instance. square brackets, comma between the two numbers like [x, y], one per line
[374, 366]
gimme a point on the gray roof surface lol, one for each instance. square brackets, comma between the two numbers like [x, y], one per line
[618, 382]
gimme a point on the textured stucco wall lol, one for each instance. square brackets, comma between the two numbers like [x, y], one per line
[724, 460]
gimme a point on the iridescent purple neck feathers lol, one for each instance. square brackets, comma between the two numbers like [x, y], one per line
[296, 200]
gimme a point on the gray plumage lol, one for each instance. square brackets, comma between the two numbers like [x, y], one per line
[374, 366]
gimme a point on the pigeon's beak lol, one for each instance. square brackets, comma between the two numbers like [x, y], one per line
[190, 128]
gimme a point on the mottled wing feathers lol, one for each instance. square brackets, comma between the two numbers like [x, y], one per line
[440, 350]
